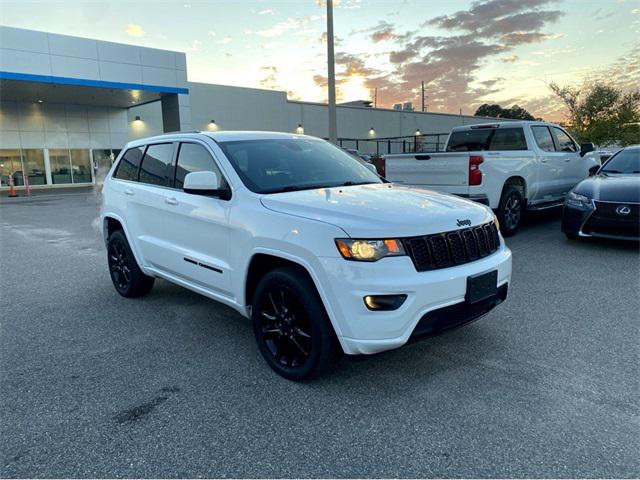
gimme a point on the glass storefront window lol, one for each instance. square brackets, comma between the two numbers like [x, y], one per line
[60, 165]
[81, 165]
[10, 165]
[33, 161]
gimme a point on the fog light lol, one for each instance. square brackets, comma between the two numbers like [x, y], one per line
[384, 302]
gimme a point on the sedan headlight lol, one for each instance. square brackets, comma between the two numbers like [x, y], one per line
[369, 250]
[578, 201]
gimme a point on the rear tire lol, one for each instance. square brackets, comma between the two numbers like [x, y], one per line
[291, 326]
[510, 210]
[128, 280]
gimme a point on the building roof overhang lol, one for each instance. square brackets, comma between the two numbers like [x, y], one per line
[25, 87]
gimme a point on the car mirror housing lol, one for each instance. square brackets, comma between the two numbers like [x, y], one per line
[586, 148]
[205, 183]
[593, 170]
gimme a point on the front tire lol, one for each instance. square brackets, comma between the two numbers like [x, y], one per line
[510, 210]
[128, 280]
[290, 324]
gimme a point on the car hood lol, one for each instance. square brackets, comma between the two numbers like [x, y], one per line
[611, 188]
[380, 210]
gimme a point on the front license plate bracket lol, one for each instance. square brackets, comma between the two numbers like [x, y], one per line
[482, 286]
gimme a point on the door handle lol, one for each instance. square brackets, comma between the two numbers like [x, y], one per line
[129, 191]
[171, 201]
[544, 161]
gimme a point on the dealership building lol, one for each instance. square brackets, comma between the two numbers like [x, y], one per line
[68, 105]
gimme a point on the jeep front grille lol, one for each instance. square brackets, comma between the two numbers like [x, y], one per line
[449, 249]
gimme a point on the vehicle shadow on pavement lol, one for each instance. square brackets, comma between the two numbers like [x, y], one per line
[215, 327]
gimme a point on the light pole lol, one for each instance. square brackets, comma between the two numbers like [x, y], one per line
[333, 127]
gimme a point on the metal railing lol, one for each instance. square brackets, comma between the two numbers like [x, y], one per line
[428, 142]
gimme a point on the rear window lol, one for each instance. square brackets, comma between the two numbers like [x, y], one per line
[127, 169]
[482, 139]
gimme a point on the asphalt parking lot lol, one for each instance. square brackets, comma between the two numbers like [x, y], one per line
[172, 385]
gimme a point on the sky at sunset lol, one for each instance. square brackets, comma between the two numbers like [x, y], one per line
[468, 53]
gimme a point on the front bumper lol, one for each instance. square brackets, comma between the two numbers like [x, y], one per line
[362, 331]
[594, 223]
[573, 219]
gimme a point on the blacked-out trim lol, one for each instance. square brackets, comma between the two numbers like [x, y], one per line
[203, 265]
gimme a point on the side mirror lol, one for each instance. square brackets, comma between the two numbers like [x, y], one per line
[593, 170]
[205, 183]
[586, 148]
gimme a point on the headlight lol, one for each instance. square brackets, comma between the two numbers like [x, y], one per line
[369, 250]
[576, 200]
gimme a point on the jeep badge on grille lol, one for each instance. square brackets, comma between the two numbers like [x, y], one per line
[466, 222]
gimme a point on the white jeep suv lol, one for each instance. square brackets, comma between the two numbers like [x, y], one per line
[321, 253]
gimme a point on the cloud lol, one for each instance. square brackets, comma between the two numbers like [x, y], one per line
[482, 13]
[449, 63]
[510, 59]
[268, 11]
[224, 41]
[291, 23]
[343, 4]
[135, 30]
[383, 31]
[194, 47]
[211, 33]
[270, 79]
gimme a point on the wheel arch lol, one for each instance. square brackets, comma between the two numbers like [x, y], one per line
[112, 223]
[518, 181]
[109, 225]
[263, 261]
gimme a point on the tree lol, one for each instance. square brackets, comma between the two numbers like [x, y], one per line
[486, 110]
[516, 112]
[601, 113]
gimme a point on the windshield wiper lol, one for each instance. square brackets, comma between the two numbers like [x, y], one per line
[294, 188]
[351, 183]
[611, 171]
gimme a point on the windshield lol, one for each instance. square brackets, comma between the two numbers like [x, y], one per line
[625, 161]
[287, 164]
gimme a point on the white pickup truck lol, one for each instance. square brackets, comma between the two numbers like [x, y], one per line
[509, 166]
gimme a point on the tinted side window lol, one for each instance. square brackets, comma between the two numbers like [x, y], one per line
[469, 140]
[508, 139]
[543, 138]
[127, 169]
[564, 142]
[193, 157]
[156, 164]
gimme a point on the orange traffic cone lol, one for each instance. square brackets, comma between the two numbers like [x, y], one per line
[12, 188]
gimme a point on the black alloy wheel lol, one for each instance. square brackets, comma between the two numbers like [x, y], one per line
[119, 265]
[291, 326]
[285, 327]
[126, 275]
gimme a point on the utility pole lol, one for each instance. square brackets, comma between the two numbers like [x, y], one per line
[422, 96]
[375, 98]
[333, 127]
